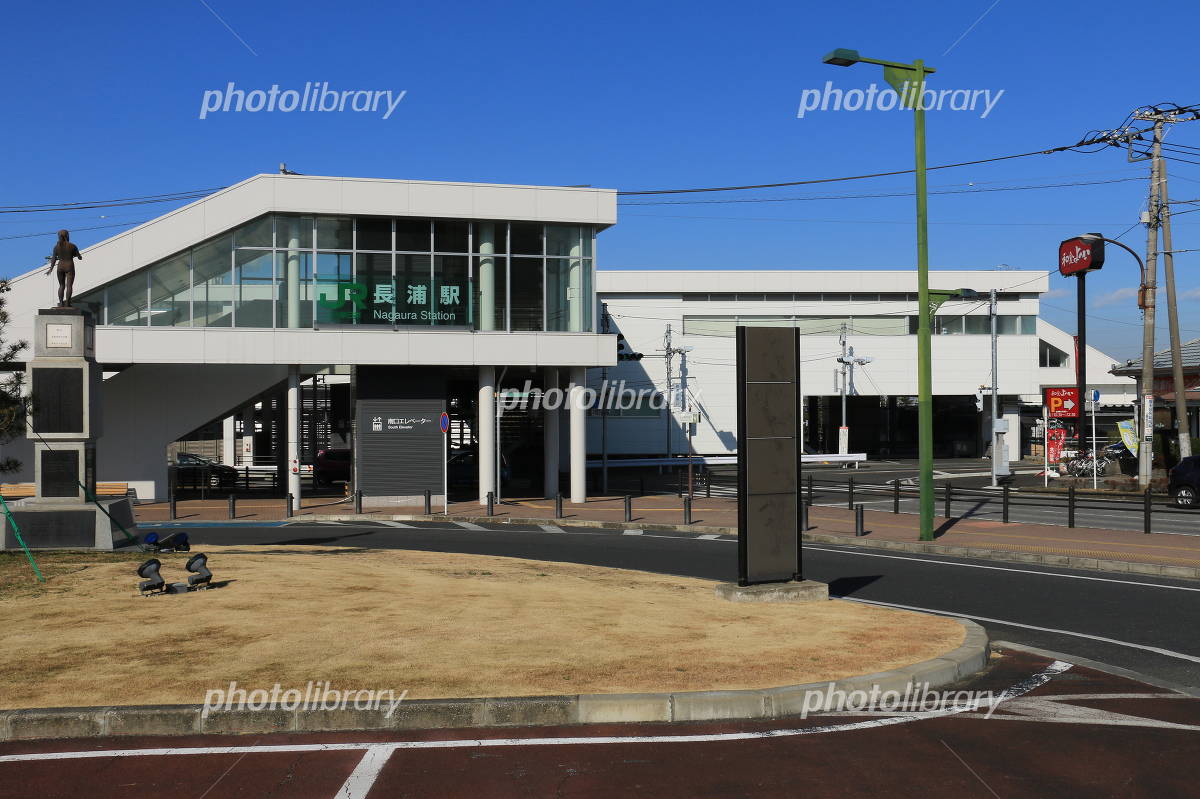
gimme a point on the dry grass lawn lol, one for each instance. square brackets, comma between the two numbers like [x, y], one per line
[436, 625]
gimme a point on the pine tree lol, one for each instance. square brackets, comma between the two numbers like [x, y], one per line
[13, 404]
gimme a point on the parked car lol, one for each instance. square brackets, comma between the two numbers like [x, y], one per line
[333, 465]
[193, 470]
[1185, 482]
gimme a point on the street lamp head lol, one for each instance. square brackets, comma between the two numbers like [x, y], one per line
[968, 294]
[841, 57]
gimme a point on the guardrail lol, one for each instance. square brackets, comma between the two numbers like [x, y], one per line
[1006, 498]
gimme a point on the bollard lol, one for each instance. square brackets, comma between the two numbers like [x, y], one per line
[246, 481]
[172, 509]
[850, 493]
[810, 488]
[687, 510]
[358, 501]
[859, 529]
[232, 506]
[803, 516]
[628, 508]
[1071, 505]
[287, 510]
[708, 485]
[491, 502]
[428, 502]
[558, 505]
[1146, 513]
[896, 496]
[949, 492]
[1005, 505]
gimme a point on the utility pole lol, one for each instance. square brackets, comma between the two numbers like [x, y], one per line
[848, 360]
[670, 352]
[1182, 423]
[1146, 448]
[604, 328]
[996, 453]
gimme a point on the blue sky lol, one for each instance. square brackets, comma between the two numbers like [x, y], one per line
[630, 96]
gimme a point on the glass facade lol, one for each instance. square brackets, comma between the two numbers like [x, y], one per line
[291, 271]
[881, 325]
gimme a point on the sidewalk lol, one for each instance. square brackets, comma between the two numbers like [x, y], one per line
[1080, 547]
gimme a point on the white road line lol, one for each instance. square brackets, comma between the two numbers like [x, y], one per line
[550, 528]
[362, 779]
[709, 537]
[639, 532]
[1001, 568]
[1156, 650]
[470, 526]
[1020, 689]
[387, 523]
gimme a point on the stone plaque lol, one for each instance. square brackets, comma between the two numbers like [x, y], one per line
[58, 336]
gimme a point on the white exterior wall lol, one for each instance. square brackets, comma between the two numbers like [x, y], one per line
[961, 363]
[1113, 390]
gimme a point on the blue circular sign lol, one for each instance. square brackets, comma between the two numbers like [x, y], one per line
[444, 422]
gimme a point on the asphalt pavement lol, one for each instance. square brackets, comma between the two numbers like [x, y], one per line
[1143, 624]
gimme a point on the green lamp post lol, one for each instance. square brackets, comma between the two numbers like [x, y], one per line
[909, 82]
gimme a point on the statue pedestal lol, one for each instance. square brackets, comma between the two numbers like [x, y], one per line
[57, 524]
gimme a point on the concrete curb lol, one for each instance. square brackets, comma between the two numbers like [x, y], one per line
[1060, 561]
[769, 703]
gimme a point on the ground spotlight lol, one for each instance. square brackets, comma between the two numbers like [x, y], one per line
[201, 577]
[153, 581]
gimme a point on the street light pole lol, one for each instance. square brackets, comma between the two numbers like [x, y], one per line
[996, 454]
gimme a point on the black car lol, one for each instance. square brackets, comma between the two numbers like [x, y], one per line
[1185, 482]
[193, 470]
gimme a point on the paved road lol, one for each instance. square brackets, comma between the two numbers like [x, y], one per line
[1145, 624]
[1061, 730]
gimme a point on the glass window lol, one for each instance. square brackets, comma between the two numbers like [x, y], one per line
[374, 270]
[212, 281]
[948, 325]
[558, 278]
[127, 301]
[412, 234]
[893, 297]
[564, 240]
[413, 289]
[491, 292]
[256, 233]
[374, 233]
[171, 293]
[334, 233]
[294, 277]
[880, 325]
[525, 238]
[750, 297]
[452, 291]
[979, 324]
[723, 297]
[1008, 325]
[450, 236]
[1029, 325]
[525, 287]
[255, 280]
[295, 232]
[340, 300]
[836, 297]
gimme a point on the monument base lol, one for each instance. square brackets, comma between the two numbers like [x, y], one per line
[47, 524]
[804, 591]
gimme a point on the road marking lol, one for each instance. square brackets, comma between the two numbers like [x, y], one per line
[1001, 568]
[470, 526]
[377, 753]
[639, 532]
[1144, 647]
[709, 537]
[550, 528]
[387, 523]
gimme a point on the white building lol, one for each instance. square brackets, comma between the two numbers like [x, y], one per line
[878, 311]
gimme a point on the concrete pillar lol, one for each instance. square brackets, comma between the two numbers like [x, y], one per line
[487, 275]
[550, 434]
[248, 435]
[485, 431]
[578, 426]
[228, 445]
[293, 435]
[1013, 438]
[575, 293]
[292, 271]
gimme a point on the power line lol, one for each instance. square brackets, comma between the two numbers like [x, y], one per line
[121, 201]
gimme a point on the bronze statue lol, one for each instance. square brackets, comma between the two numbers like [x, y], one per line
[64, 255]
